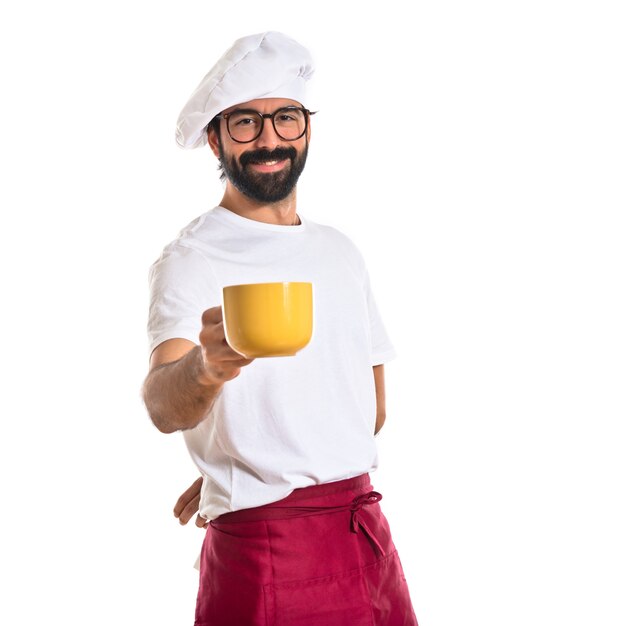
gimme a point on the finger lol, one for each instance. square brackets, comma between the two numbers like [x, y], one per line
[212, 315]
[234, 358]
[213, 338]
[216, 348]
[227, 353]
[188, 495]
[189, 511]
[223, 371]
[201, 522]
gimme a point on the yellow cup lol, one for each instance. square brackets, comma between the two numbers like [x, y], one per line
[268, 319]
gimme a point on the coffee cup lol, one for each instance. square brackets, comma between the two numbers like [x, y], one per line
[268, 319]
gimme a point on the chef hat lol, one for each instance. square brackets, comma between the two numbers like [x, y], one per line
[267, 65]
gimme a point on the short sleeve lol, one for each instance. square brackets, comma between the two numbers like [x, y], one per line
[382, 349]
[181, 288]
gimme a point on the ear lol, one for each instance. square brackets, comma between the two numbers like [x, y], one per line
[213, 141]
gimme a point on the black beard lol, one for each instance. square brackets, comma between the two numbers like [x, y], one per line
[264, 187]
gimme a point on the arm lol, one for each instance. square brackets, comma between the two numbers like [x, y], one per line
[185, 379]
[379, 382]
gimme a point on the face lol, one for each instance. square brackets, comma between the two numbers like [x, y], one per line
[267, 169]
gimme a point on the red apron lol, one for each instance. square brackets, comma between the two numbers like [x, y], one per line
[322, 556]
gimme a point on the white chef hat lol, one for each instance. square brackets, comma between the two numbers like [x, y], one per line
[267, 65]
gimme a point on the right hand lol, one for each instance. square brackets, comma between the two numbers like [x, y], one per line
[221, 362]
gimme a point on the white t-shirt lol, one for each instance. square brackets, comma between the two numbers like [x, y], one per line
[284, 422]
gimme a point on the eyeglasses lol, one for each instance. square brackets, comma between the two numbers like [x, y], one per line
[245, 125]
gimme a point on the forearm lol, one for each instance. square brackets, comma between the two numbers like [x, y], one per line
[380, 420]
[379, 383]
[177, 394]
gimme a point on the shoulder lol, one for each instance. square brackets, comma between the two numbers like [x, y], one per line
[178, 258]
[196, 232]
[182, 260]
[181, 271]
[185, 250]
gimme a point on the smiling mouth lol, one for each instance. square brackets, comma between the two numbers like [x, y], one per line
[269, 166]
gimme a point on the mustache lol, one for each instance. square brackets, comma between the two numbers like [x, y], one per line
[258, 156]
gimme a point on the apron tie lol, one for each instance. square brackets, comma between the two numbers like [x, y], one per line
[357, 504]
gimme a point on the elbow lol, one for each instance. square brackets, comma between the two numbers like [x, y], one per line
[162, 424]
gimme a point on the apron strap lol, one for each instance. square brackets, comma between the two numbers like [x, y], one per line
[357, 504]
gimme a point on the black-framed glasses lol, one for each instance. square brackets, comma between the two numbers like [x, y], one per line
[245, 125]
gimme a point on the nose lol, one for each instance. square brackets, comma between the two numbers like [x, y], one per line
[268, 137]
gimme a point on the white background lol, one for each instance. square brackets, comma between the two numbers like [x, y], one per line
[474, 151]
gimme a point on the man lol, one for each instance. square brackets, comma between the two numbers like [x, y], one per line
[295, 534]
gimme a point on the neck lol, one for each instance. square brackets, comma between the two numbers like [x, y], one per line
[282, 212]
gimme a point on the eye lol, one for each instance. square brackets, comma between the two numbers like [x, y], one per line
[287, 117]
[244, 121]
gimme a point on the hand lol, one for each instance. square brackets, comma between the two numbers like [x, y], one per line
[188, 504]
[221, 362]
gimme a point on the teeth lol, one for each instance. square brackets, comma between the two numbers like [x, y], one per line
[271, 162]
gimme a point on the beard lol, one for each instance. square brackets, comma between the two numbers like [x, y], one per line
[266, 187]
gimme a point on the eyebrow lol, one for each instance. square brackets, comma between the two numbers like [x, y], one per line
[287, 106]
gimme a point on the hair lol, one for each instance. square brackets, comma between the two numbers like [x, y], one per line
[215, 125]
